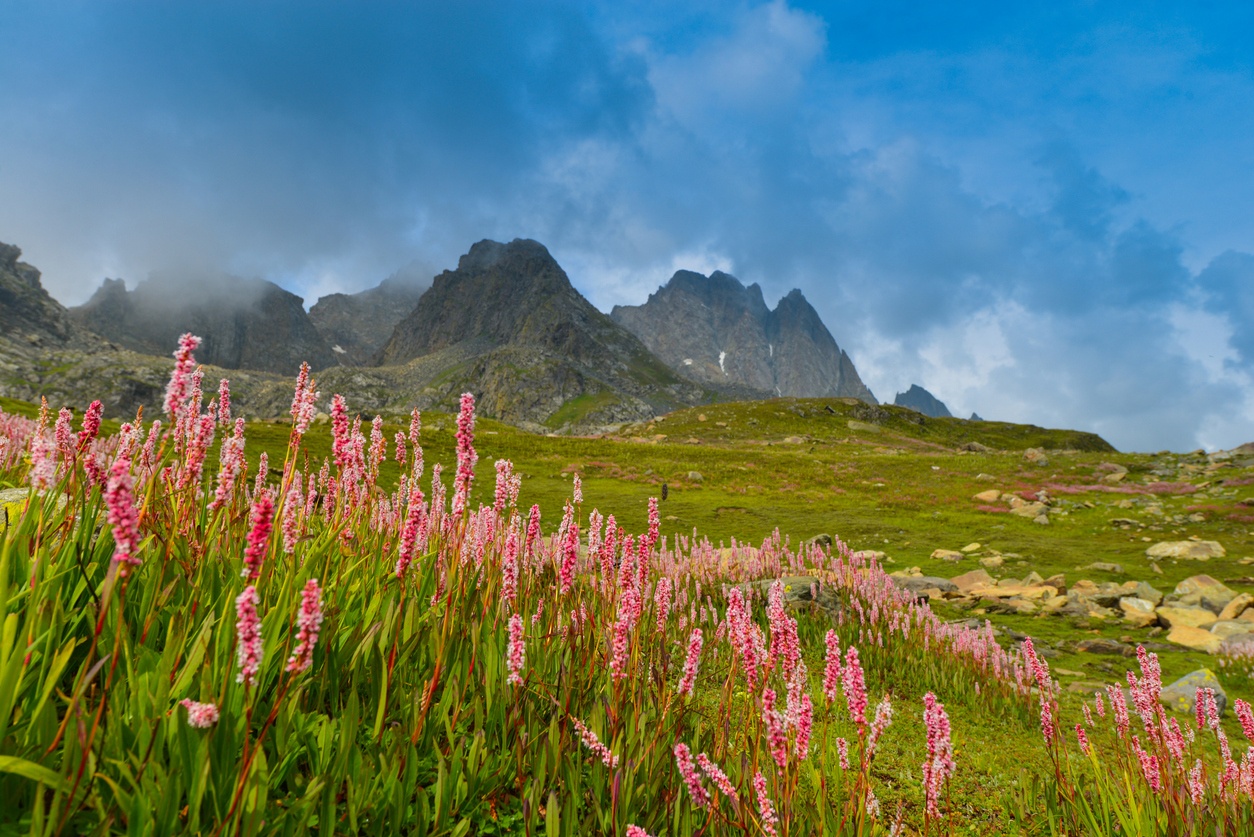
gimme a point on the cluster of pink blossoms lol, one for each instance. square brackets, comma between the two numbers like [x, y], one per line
[122, 516]
[466, 456]
[939, 765]
[176, 391]
[258, 535]
[308, 623]
[517, 651]
[200, 715]
[248, 636]
[594, 745]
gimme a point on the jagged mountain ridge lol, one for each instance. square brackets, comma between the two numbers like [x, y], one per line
[512, 312]
[922, 401]
[243, 323]
[717, 331]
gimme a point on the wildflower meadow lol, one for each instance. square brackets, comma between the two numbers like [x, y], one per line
[196, 640]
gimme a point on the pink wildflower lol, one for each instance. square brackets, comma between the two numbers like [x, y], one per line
[620, 647]
[292, 507]
[695, 640]
[662, 602]
[410, 531]
[1119, 707]
[258, 536]
[688, 770]
[466, 456]
[717, 776]
[1149, 766]
[63, 434]
[517, 651]
[576, 490]
[224, 401]
[855, 687]
[570, 554]
[1082, 738]
[766, 810]
[805, 727]
[883, 717]
[1197, 790]
[1246, 716]
[776, 731]
[122, 515]
[308, 622]
[248, 636]
[91, 425]
[533, 531]
[655, 522]
[842, 749]
[304, 402]
[176, 390]
[593, 743]
[509, 564]
[636, 831]
[831, 672]
[939, 765]
[200, 715]
[342, 443]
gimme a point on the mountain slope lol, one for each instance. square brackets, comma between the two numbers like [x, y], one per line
[244, 323]
[719, 332]
[356, 326]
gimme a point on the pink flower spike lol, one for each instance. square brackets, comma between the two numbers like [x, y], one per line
[636, 831]
[717, 776]
[593, 743]
[1246, 716]
[766, 810]
[517, 651]
[695, 641]
[259, 536]
[200, 715]
[177, 390]
[308, 623]
[1083, 738]
[683, 760]
[855, 687]
[832, 671]
[122, 516]
[91, 425]
[248, 636]
[466, 456]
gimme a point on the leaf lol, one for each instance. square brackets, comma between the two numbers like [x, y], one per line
[31, 770]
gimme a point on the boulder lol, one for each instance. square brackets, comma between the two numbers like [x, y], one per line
[1225, 628]
[1195, 638]
[695, 476]
[992, 562]
[1202, 591]
[1187, 550]
[1059, 581]
[1180, 617]
[990, 496]
[1182, 694]
[971, 547]
[1234, 608]
[1105, 567]
[1013, 605]
[1137, 612]
[1082, 608]
[1030, 510]
[1101, 645]
[975, 578]
[1036, 456]
[822, 539]
[950, 555]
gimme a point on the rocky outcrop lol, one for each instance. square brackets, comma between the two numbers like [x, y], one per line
[920, 400]
[27, 312]
[508, 325]
[356, 326]
[244, 323]
[715, 330]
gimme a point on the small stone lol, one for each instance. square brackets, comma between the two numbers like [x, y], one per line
[992, 562]
[1058, 581]
[1182, 694]
[701, 417]
[990, 496]
[947, 555]
[1105, 567]
[1033, 578]
[1187, 550]
[1036, 456]
[972, 547]
[918, 584]
[1195, 638]
[1042, 519]
[822, 539]
[1202, 591]
[971, 580]
[1101, 645]
[695, 476]
[985, 477]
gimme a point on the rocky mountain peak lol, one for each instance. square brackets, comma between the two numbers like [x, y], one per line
[26, 309]
[716, 330]
[922, 401]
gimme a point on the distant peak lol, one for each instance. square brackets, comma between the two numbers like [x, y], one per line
[486, 253]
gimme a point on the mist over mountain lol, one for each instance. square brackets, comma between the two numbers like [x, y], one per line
[715, 330]
[244, 323]
[920, 400]
[356, 326]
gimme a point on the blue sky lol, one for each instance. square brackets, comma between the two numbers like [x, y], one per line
[1040, 212]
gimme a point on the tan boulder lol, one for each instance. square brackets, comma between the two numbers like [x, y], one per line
[1190, 617]
[947, 555]
[1237, 606]
[1187, 550]
[975, 578]
[990, 496]
[1202, 591]
[1195, 638]
[1138, 613]
[1010, 591]
[992, 562]
[1248, 616]
[972, 547]
[1031, 510]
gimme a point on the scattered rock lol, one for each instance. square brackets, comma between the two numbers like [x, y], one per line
[695, 476]
[823, 539]
[1191, 617]
[922, 583]
[1138, 612]
[975, 447]
[992, 562]
[1225, 628]
[1202, 591]
[985, 478]
[1187, 550]
[971, 580]
[990, 496]
[1196, 638]
[1237, 606]
[1036, 456]
[947, 555]
[1030, 510]
[1101, 645]
[1058, 581]
[1182, 694]
[971, 547]
[1105, 567]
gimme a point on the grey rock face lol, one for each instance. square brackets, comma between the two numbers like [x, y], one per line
[27, 312]
[719, 332]
[920, 400]
[244, 323]
[356, 326]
